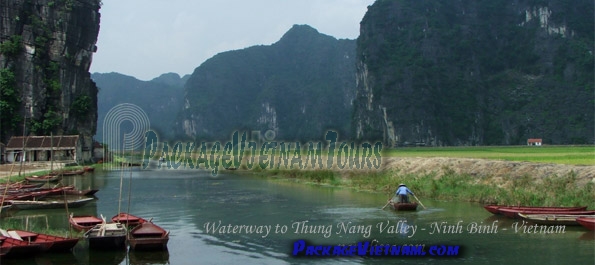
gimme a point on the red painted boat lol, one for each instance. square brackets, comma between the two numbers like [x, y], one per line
[148, 236]
[84, 223]
[401, 206]
[495, 209]
[514, 213]
[128, 219]
[588, 222]
[47, 243]
[10, 247]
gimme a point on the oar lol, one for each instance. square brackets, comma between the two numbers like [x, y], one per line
[385, 205]
[422, 205]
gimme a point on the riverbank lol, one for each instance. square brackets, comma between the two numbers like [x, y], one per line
[10, 172]
[28, 169]
[461, 179]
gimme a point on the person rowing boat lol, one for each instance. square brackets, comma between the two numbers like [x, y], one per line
[402, 194]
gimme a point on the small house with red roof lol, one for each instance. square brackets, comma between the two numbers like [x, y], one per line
[534, 141]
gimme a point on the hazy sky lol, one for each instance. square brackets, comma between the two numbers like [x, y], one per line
[146, 38]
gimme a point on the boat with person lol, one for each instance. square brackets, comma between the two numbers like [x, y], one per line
[403, 206]
[495, 209]
[148, 236]
[587, 222]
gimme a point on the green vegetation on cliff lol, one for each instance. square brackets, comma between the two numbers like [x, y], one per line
[476, 73]
[46, 48]
[296, 88]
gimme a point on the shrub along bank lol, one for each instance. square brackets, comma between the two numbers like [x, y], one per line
[523, 190]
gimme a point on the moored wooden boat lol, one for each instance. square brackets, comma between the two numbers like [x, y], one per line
[128, 219]
[553, 219]
[47, 243]
[81, 192]
[84, 223]
[29, 195]
[88, 169]
[514, 213]
[148, 236]
[38, 193]
[20, 186]
[49, 204]
[11, 247]
[495, 209]
[46, 178]
[72, 172]
[107, 236]
[5, 207]
[58, 190]
[588, 222]
[402, 206]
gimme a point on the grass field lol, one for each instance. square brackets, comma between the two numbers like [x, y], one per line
[570, 155]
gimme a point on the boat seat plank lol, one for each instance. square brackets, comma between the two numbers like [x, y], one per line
[86, 219]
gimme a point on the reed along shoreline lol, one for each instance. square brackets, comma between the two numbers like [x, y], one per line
[483, 181]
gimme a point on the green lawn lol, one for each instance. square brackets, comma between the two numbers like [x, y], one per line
[571, 155]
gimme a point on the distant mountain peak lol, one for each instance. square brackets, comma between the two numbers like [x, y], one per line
[172, 79]
[299, 32]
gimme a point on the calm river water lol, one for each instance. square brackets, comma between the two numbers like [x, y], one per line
[187, 203]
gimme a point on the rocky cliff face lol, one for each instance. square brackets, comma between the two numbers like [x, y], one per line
[47, 47]
[295, 89]
[475, 72]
